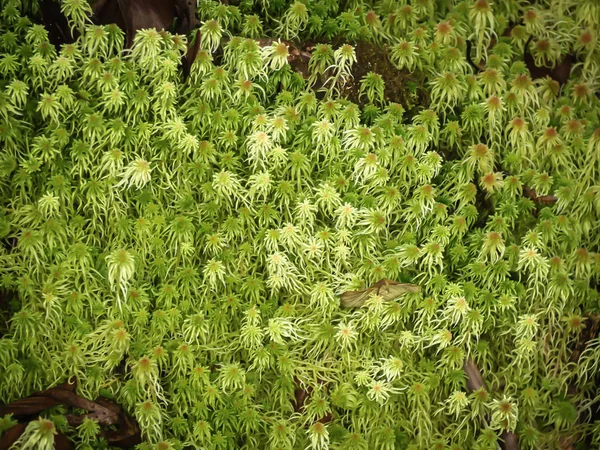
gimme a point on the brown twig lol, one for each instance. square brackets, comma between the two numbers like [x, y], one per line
[540, 199]
[104, 411]
[510, 440]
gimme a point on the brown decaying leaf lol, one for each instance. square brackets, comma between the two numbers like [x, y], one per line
[510, 440]
[127, 434]
[300, 396]
[190, 56]
[103, 415]
[388, 289]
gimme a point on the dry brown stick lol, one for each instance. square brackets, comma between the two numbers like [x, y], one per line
[105, 412]
[475, 382]
[541, 199]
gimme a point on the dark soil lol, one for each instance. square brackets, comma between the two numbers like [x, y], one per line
[7, 309]
[398, 84]
[401, 86]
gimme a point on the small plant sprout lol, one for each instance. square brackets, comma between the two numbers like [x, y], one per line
[447, 90]
[294, 20]
[482, 17]
[252, 26]
[504, 414]
[380, 391]
[321, 59]
[136, 174]
[78, 13]
[404, 55]
[88, 431]
[211, 32]
[121, 268]
[318, 436]
[344, 58]
[275, 55]
[373, 86]
[39, 434]
[149, 417]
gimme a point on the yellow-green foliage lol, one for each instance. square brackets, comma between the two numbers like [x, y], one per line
[181, 244]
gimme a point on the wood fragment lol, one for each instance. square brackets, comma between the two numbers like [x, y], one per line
[126, 434]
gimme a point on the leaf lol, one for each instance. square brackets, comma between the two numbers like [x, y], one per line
[388, 289]
[61, 442]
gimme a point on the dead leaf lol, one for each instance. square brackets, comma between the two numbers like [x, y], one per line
[302, 396]
[177, 16]
[189, 58]
[388, 289]
[103, 415]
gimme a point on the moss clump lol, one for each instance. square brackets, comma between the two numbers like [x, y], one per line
[181, 245]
